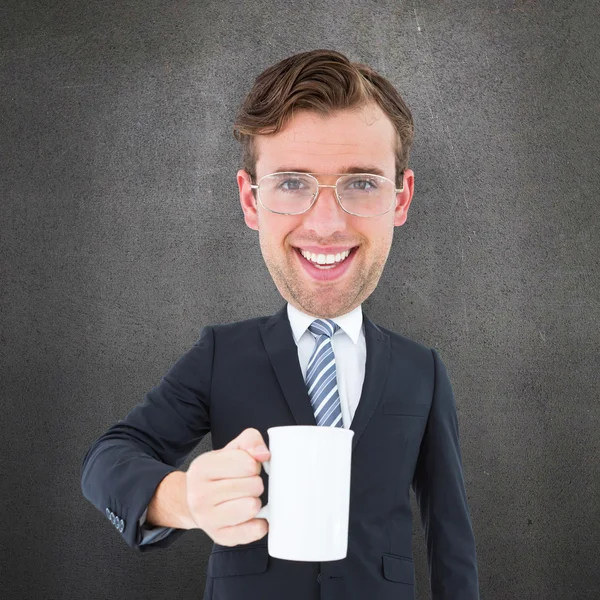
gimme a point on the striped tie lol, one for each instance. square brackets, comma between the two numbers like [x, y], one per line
[321, 379]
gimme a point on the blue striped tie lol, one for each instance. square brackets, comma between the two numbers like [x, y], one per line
[321, 379]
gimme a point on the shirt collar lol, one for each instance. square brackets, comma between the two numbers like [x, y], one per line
[350, 323]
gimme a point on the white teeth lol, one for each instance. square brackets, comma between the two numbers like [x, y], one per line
[323, 259]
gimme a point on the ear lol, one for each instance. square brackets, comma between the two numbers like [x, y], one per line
[249, 204]
[403, 198]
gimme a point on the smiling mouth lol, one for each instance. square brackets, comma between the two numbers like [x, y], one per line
[326, 261]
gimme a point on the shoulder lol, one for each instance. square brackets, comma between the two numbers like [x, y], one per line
[245, 324]
[404, 343]
[415, 359]
[247, 328]
[418, 356]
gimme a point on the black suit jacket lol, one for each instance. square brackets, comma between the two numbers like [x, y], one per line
[247, 374]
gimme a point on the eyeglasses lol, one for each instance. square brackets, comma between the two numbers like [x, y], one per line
[359, 194]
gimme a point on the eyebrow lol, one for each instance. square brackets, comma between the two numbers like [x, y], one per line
[351, 169]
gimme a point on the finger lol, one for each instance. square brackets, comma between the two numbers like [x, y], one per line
[230, 463]
[241, 487]
[248, 439]
[250, 531]
[234, 512]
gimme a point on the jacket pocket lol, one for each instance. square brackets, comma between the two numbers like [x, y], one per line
[238, 561]
[398, 568]
[406, 409]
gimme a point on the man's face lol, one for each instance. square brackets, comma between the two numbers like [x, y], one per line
[363, 137]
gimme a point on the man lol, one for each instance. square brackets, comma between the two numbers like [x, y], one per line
[325, 248]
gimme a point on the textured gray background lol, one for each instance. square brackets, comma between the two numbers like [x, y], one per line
[122, 235]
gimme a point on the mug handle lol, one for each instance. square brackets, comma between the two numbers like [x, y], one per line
[263, 513]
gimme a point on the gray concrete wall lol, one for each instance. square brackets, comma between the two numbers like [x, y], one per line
[122, 235]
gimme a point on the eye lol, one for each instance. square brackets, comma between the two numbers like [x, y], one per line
[294, 182]
[361, 183]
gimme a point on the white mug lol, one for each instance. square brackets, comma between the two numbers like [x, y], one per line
[309, 492]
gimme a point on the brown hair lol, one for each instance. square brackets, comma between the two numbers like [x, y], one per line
[321, 81]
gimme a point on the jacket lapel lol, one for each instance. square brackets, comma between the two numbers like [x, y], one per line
[283, 353]
[376, 370]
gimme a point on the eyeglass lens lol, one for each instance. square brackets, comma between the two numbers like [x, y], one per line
[360, 194]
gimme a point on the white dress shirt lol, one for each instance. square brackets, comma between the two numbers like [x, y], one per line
[349, 349]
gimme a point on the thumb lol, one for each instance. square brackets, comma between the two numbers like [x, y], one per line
[252, 441]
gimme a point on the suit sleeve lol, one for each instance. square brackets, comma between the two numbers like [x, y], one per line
[440, 491]
[122, 469]
[150, 534]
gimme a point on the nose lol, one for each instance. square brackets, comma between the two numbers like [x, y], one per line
[325, 216]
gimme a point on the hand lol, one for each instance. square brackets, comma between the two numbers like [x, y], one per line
[224, 488]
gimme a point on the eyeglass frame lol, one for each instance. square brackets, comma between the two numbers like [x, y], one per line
[256, 186]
